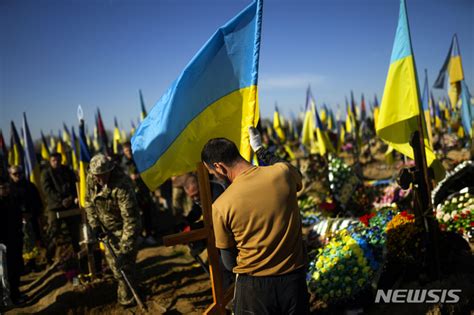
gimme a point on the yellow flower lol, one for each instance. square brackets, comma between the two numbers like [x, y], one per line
[338, 293]
[323, 270]
[360, 282]
[366, 269]
[348, 291]
[325, 297]
[355, 270]
[346, 248]
[362, 261]
[347, 279]
[331, 293]
[335, 279]
[325, 282]
[340, 267]
[319, 264]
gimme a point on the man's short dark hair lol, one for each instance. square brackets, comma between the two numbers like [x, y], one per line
[55, 155]
[220, 150]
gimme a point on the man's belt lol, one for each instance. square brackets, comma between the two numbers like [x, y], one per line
[68, 213]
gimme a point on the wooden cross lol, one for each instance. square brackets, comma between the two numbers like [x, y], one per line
[220, 298]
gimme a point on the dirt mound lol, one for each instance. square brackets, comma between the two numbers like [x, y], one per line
[170, 280]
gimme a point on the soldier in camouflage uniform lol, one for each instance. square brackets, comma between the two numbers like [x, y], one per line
[111, 207]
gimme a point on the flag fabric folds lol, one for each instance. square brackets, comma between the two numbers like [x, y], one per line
[214, 96]
[400, 107]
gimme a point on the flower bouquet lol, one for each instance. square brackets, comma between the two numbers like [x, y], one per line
[456, 214]
[341, 269]
[403, 239]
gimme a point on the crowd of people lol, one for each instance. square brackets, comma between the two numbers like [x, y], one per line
[264, 248]
[119, 206]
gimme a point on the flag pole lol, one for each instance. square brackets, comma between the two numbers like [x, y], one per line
[423, 193]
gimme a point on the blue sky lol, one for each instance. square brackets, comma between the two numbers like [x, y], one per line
[55, 55]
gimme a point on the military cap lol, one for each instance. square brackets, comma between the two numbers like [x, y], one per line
[100, 164]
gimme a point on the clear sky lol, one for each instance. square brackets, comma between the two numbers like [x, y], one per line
[55, 55]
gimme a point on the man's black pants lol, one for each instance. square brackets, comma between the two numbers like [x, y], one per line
[285, 294]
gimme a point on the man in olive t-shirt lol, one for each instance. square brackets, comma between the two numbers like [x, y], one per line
[257, 218]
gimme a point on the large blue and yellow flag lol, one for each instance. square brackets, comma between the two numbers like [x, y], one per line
[400, 108]
[32, 170]
[215, 96]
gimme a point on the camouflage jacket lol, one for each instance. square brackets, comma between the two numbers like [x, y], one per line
[115, 207]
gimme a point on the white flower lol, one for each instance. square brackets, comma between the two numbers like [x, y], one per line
[454, 200]
[446, 217]
[439, 215]
[453, 213]
[465, 211]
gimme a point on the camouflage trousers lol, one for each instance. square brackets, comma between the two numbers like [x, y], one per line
[124, 295]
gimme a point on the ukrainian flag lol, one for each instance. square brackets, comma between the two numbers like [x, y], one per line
[215, 96]
[453, 67]
[398, 117]
[117, 140]
[278, 125]
[15, 155]
[32, 170]
[324, 144]
[84, 159]
[307, 132]
[44, 148]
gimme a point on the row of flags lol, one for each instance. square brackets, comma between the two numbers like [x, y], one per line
[75, 149]
[216, 96]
